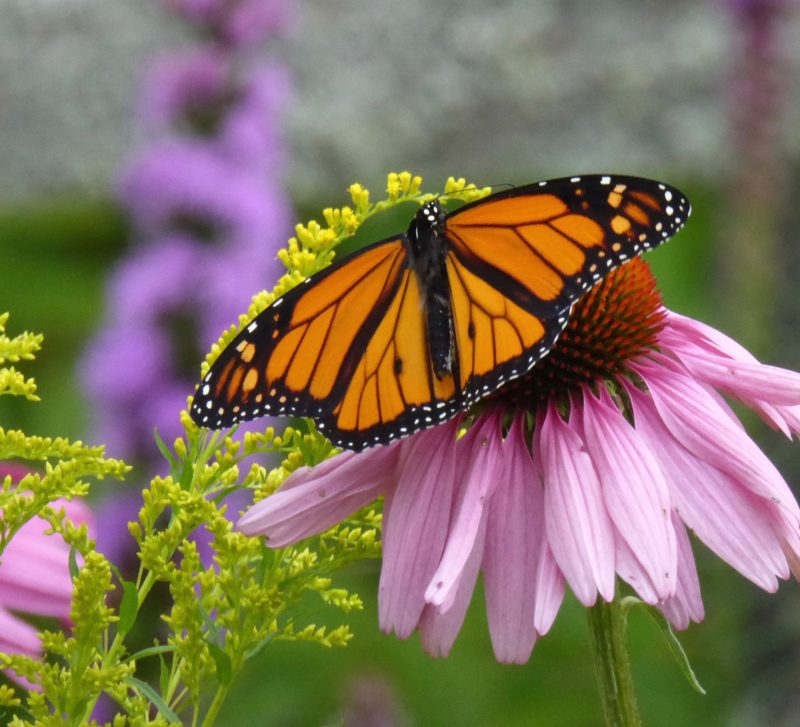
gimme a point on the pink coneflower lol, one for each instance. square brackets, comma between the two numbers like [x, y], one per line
[590, 468]
[34, 578]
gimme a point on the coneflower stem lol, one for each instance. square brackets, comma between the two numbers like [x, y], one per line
[607, 623]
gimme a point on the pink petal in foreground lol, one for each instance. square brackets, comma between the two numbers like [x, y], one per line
[314, 500]
[17, 636]
[686, 605]
[579, 530]
[512, 551]
[790, 415]
[704, 336]
[549, 592]
[482, 448]
[634, 574]
[416, 517]
[685, 334]
[634, 490]
[34, 570]
[439, 626]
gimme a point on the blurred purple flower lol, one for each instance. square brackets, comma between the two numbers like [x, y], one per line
[206, 204]
[249, 133]
[237, 22]
[180, 89]
[132, 367]
[187, 183]
[235, 115]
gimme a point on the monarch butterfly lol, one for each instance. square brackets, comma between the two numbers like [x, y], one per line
[408, 331]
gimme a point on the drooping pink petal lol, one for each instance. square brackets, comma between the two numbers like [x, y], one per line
[17, 636]
[579, 530]
[514, 542]
[34, 571]
[439, 625]
[772, 416]
[703, 335]
[630, 569]
[747, 379]
[696, 421]
[701, 340]
[736, 524]
[634, 490]
[34, 575]
[313, 500]
[793, 559]
[481, 449]
[416, 517]
[686, 605]
[549, 591]
[786, 417]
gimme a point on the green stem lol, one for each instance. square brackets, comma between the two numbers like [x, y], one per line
[216, 704]
[612, 665]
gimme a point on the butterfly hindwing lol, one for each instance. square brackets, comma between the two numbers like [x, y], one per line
[393, 390]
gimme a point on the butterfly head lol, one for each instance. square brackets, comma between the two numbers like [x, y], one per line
[425, 230]
[431, 213]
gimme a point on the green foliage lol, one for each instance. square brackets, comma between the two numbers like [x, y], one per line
[12, 350]
[220, 614]
[673, 642]
[68, 467]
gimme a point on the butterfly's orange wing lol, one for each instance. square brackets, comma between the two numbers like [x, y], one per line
[346, 347]
[519, 259]
[349, 347]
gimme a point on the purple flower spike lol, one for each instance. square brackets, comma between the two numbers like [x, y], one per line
[206, 203]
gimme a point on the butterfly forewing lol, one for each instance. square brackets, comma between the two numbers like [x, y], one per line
[297, 356]
[540, 247]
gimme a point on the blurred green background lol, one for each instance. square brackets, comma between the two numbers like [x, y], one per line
[701, 94]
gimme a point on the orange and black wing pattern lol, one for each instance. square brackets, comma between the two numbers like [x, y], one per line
[483, 292]
[347, 347]
[519, 259]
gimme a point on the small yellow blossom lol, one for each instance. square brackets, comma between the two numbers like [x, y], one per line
[360, 197]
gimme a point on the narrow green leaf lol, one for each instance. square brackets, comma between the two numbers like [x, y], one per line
[78, 709]
[163, 675]
[162, 447]
[223, 663]
[258, 647]
[209, 623]
[155, 699]
[128, 607]
[74, 570]
[676, 648]
[187, 472]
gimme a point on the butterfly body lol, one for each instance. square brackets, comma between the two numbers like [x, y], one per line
[405, 333]
[427, 250]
